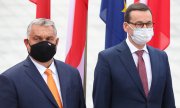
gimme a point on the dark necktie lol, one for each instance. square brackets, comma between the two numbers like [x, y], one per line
[142, 71]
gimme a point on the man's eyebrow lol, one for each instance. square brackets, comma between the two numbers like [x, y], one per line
[37, 36]
[50, 36]
[143, 22]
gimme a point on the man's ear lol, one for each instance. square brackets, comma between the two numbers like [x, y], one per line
[26, 42]
[57, 41]
[125, 26]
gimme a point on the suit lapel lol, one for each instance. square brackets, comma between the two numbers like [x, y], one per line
[34, 74]
[127, 59]
[155, 69]
[62, 74]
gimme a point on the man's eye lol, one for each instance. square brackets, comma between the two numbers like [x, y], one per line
[139, 25]
[149, 24]
[36, 38]
[50, 39]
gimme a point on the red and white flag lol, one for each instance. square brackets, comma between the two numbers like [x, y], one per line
[77, 31]
[161, 17]
[42, 8]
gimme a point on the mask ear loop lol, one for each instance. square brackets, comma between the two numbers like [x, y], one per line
[56, 43]
[131, 28]
[28, 42]
[29, 45]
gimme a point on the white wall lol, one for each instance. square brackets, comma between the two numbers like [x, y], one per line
[16, 15]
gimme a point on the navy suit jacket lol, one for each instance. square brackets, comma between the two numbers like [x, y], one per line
[22, 86]
[117, 83]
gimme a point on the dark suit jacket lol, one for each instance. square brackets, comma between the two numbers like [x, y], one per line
[22, 86]
[117, 83]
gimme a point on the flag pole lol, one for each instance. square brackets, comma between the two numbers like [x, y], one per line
[85, 60]
[85, 69]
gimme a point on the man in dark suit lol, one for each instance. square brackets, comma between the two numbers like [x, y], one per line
[41, 81]
[133, 74]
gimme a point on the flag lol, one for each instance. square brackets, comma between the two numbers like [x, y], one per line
[42, 8]
[161, 17]
[112, 13]
[76, 39]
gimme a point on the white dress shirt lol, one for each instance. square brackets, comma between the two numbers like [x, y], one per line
[52, 67]
[146, 58]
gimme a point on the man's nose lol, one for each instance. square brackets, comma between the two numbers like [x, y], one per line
[145, 26]
[44, 39]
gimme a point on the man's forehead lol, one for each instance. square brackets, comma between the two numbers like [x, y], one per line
[141, 16]
[42, 29]
[35, 26]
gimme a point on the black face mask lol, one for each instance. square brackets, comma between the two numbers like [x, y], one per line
[43, 51]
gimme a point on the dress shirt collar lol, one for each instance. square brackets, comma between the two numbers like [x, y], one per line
[133, 49]
[42, 69]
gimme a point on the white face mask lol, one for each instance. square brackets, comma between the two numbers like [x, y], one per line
[142, 35]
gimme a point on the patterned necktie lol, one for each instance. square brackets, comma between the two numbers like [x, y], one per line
[52, 86]
[142, 71]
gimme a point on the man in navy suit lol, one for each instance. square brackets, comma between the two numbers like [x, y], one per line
[133, 74]
[27, 85]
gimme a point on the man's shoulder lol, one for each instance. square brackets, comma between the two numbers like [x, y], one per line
[68, 71]
[156, 50]
[66, 67]
[14, 70]
[61, 63]
[115, 50]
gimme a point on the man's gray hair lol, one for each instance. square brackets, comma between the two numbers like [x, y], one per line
[41, 22]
